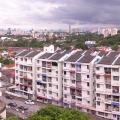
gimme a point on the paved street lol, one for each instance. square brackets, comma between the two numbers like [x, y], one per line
[21, 102]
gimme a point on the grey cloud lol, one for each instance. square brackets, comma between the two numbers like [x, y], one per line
[71, 11]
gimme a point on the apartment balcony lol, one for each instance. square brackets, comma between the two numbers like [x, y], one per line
[107, 70]
[115, 110]
[43, 65]
[78, 94]
[72, 77]
[72, 91]
[108, 81]
[107, 74]
[98, 99]
[115, 92]
[49, 65]
[116, 99]
[108, 101]
[73, 87]
[78, 68]
[108, 110]
[78, 85]
[78, 77]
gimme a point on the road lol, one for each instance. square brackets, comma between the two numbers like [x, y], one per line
[21, 102]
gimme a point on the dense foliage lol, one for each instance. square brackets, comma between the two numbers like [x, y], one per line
[6, 61]
[77, 41]
[58, 113]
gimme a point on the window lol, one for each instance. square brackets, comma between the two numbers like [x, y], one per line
[25, 59]
[56, 79]
[88, 92]
[38, 61]
[65, 88]
[65, 80]
[73, 65]
[64, 64]
[88, 101]
[98, 94]
[56, 94]
[50, 85]
[79, 99]
[73, 81]
[50, 92]
[88, 67]
[38, 68]
[88, 76]
[38, 75]
[97, 68]
[98, 85]
[38, 90]
[97, 76]
[56, 86]
[64, 72]
[65, 96]
[98, 102]
[73, 97]
[88, 84]
[21, 59]
[108, 86]
[115, 69]
[49, 70]
[116, 78]
[54, 64]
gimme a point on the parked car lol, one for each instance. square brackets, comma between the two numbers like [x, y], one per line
[22, 109]
[29, 102]
[12, 105]
[9, 97]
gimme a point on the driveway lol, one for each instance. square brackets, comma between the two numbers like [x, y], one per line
[21, 102]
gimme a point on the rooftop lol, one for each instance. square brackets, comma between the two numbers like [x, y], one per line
[32, 54]
[23, 53]
[117, 62]
[59, 55]
[75, 56]
[87, 58]
[109, 58]
[46, 55]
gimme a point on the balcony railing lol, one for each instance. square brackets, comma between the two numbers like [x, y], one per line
[115, 91]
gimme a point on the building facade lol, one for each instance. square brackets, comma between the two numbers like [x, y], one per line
[86, 80]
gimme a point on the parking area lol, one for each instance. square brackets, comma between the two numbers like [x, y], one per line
[18, 107]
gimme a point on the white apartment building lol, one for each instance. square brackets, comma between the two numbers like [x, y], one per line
[25, 73]
[86, 80]
[78, 80]
[108, 86]
[49, 76]
[108, 31]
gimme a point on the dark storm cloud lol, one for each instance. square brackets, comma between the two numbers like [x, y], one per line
[37, 12]
[87, 11]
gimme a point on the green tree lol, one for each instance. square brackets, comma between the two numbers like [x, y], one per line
[12, 118]
[58, 113]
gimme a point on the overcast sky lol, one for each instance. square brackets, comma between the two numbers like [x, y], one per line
[58, 13]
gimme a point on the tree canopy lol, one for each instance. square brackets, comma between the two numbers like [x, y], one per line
[58, 113]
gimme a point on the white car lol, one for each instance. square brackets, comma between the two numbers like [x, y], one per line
[29, 102]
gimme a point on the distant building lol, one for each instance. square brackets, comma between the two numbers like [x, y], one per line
[108, 31]
[90, 43]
